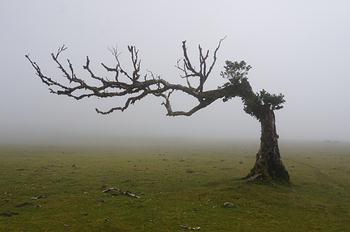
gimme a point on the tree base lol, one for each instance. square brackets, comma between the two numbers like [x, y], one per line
[268, 167]
[268, 164]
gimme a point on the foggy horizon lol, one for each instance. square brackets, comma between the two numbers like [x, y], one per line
[300, 49]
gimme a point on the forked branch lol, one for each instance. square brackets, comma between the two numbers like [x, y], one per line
[188, 69]
[130, 84]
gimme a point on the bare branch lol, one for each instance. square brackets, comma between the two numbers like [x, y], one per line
[87, 67]
[170, 112]
[60, 50]
[134, 87]
[215, 52]
[189, 70]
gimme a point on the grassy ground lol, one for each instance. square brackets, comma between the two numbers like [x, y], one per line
[177, 184]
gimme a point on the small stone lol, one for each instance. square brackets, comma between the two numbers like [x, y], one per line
[229, 205]
[38, 197]
[186, 227]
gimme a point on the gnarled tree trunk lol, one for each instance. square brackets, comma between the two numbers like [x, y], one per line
[268, 164]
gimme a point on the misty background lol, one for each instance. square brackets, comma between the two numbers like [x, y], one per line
[298, 48]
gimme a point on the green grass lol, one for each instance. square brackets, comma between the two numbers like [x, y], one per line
[178, 185]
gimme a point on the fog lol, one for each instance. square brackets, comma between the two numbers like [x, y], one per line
[298, 48]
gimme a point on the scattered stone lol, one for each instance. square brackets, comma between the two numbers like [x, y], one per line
[107, 219]
[254, 178]
[117, 191]
[74, 166]
[38, 197]
[186, 227]
[8, 214]
[229, 205]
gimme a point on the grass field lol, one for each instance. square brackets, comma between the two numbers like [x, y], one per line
[178, 184]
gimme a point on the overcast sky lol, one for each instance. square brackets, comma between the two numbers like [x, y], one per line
[298, 48]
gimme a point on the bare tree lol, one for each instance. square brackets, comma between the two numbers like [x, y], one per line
[136, 86]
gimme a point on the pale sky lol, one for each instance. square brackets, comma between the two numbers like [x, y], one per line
[298, 48]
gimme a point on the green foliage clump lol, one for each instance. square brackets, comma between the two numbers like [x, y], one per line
[274, 101]
[254, 103]
[235, 71]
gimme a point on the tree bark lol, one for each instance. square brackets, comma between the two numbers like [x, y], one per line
[268, 164]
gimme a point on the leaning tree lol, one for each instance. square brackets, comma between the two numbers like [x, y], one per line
[136, 86]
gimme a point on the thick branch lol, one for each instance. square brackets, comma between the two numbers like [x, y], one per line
[131, 85]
